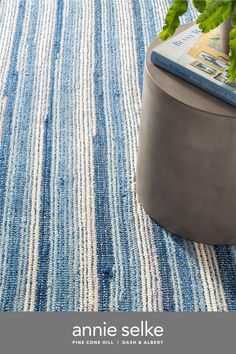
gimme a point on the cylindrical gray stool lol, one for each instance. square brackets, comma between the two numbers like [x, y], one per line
[186, 171]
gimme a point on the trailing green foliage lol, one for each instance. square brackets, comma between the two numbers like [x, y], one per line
[232, 43]
[212, 14]
[177, 9]
[216, 12]
[232, 67]
[200, 5]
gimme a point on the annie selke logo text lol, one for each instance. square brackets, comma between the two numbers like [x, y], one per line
[110, 334]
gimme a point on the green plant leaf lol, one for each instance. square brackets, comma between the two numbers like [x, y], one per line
[200, 5]
[233, 18]
[232, 67]
[172, 22]
[216, 12]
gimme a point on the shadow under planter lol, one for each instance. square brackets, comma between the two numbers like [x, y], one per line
[186, 170]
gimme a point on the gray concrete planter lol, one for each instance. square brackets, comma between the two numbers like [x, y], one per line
[186, 170]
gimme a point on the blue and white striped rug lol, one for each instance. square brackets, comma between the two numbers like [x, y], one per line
[73, 236]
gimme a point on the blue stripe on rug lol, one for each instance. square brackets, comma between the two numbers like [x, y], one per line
[128, 293]
[140, 47]
[44, 244]
[10, 93]
[165, 271]
[18, 193]
[226, 256]
[105, 262]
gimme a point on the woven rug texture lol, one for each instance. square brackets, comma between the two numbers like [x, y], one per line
[73, 236]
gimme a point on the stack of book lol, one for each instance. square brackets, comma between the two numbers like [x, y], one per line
[198, 58]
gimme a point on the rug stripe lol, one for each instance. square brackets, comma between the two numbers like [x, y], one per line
[25, 153]
[226, 257]
[8, 27]
[10, 226]
[105, 261]
[40, 104]
[128, 247]
[44, 245]
[9, 92]
[117, 285]
[88, 279]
